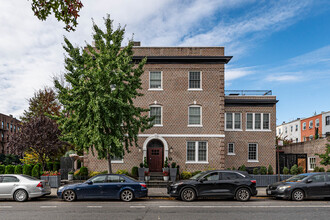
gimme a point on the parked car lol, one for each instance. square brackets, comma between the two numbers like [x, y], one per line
[302, 186]
[222, 183]
[105, 186]
[22, 187]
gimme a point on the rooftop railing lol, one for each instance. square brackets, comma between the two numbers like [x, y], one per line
[247, 92]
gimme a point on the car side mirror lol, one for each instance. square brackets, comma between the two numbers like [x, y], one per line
[309, 181]
[202, 180]
[89, 182]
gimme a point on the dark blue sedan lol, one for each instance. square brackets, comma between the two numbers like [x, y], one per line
[106, 186]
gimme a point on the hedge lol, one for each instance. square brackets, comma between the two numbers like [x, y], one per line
[2, 169]
[10, 169]
[18, 169]
[27, 169]
[36, 171]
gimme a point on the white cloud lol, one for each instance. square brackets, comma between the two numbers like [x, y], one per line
[283, 78]
[235, 73]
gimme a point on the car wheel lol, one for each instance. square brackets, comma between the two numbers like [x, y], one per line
[69, 195]
[20, 195]
[243, 195]
[188, 195]
[126, 195]
[298, 195]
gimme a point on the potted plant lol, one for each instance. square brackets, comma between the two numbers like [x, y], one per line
[166, 166]
[146, 175]
[70, 175]
[141, 172]
[173, 171]
[54, 179]
[166, 175]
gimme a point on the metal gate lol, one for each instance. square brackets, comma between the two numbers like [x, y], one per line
[66, 166]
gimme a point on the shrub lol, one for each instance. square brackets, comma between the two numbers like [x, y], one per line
[94, 173]
[18, 169]
[316, 169]
[328, 170]
[49, 166]
[242, 168]
[233, 168]
[135, 171]
[166, 165]
[10, 169]
[195, 173]
[256, 171]
[263, 170]
[228, 168]
[286, 170]
[36, 171]
[122, 172]
[141, 165]
[27, 169]
[294, 170]
[300, 169]
[2, 169]
[83, 171]
[77, 172]
[270, 170]
[56, 166]
[321, 169]
[186, 175]
[173, 165]
[145, 163]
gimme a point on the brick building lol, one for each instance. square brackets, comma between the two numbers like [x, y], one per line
[309, 127]
[184, 89]
[9, 125]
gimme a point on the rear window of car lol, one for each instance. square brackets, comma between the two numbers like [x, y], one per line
[29, 177]
[231, 176]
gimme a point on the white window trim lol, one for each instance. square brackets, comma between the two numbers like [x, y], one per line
[257, 157]
[161, 115]
[317, 121]
[262, 122]
[229, 153]
[195, 89]
[201, 116]
[117, 161]
[233, 121]
[196, 153]
[161, 83]
[309, 163]
[309, 124]
[304, 126]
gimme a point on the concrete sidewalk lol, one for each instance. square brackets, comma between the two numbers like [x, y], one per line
[162, 192]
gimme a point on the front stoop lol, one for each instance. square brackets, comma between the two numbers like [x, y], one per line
[157, 180]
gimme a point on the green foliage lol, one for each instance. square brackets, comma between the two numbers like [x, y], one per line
[300, 169]
[10, 169]
[196, 172]
[36, 171]
[270, 170]
[27, 169]
[2, 169]
[49, 166]
[286, 170]
[166, 165]
[56, 166]
[9, 159]
[242, 168]
[326, 156]
[233, 168]
[141, 165]
[185, 175]
[145, 163]
[328, 170]
[294, 170]
[173, 165]
[256, 171]
[101, 84]
[316, 169]
[263, 170]
[135, 171]
[95, 173]
[83, 171]
[18, 169]
[228, 168]
[122, 172]
[321, 169]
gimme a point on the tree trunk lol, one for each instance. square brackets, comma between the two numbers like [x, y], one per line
[109, 163]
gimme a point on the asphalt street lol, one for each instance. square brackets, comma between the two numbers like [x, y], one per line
[257, 208]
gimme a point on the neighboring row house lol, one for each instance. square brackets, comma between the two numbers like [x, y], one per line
[9, 125]
[290, 131]
[196, 124]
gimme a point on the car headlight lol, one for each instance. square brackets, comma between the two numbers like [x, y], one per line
[59, 189]
[177, 184]
[282, 188]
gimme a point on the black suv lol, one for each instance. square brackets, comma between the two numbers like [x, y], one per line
[224, 183]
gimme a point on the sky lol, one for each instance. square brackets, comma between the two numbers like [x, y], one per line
[283, 46]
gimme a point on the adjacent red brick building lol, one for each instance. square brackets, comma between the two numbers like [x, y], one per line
[310, 126]
[8, 126]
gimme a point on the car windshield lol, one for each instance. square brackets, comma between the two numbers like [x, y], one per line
[197, 175]
[297, 178]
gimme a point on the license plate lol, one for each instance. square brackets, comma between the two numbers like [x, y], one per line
[269, 192]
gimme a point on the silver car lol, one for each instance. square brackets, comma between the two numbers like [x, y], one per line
[22, 187]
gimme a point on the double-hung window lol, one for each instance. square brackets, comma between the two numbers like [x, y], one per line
[253, 152]
[233, 121]
[197, 152]
[195, 116]
[156, 112]
[311, 163]
[231, 149]
[327, 120]
[258, 121]
[311, 124]
[296, 127]
[155, 80]
[304, 126]
[117, 159]
[317, 123]
[195, 79]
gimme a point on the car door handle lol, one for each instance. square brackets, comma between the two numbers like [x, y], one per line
[15, 184]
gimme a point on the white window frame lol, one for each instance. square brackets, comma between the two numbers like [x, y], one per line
[161, 82]
[201, 116]
[297, 127]
[161, 115]
[231, 153]
[196, 153]
[309, 124]
[262, 122]
[233, 122]
[309, 163]
[304, 126]
[311, 137]
[201, 81]
[327, 120]
[317, 123]
[256, 160]
[118, 161]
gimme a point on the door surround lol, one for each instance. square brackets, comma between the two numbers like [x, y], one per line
[158, 137]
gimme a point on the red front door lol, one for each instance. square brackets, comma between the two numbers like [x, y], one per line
[155, 159]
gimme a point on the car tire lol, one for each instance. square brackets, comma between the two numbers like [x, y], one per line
[21, 195]
[298, 195]
[69, 195]
[188, 195]
[243, 194]
[126, 195]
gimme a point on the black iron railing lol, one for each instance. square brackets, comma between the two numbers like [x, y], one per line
[248, 92]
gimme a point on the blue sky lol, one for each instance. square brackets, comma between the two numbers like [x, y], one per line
[279, 45]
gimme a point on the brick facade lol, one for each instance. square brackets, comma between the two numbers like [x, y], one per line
[8, 126]
[310, 131]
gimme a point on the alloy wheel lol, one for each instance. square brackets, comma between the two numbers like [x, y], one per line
[20, 195]
[188, 195]
[298, 195]
[243, 194]
[127, 195]
[69, 195]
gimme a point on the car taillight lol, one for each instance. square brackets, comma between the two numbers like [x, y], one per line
[143, 185]
[254, 181]
[40, 185]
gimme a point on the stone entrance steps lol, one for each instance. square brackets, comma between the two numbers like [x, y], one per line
[157, 180]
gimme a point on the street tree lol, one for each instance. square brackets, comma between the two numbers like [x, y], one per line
[64, 10]
[326, 156]
[40, 136]
[44, 102]
[99, 112]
